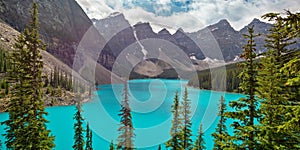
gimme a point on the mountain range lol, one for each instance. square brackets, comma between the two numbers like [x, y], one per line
[117, 49]
[207, 47]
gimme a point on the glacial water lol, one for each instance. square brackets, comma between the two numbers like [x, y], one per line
[150, 101]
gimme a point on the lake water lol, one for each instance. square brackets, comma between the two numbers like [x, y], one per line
[150, 101]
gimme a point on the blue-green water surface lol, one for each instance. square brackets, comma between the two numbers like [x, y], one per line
[150, 102]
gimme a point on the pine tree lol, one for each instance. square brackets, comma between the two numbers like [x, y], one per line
[51, 78]
[159, 147]
[125, 139]
[291, 70]
[245, 109]
[174, 142]
[89, 138]
[292, 117]
[200, 143]
[187, 142]
[26, 126]
[55, 77]
[221, 136]
[78, 126]
[111, 146]
[272, 90]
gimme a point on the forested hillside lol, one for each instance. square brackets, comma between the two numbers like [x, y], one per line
[206, 78]
[60, 82]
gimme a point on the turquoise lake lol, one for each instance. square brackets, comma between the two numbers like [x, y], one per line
[150, 101]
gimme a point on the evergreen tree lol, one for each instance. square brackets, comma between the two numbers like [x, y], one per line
[159, 147]
[51, 78]
[111, 146]
[61, 78]
[55, 77]
[26, 126]
[174, 142]
[275, 95]
[221, 136]
[187, 142]
[291, 70]
[200, 143]
[78, 126]
[291, 125]
[125, 139]
[89, 138]
[245, 109]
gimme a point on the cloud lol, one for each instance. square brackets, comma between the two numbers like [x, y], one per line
[172, 23]
[191, 15]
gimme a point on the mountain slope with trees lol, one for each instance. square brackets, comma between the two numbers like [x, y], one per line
[57, 76]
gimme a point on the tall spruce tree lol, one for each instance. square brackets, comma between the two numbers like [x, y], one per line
[291, 70]
[126, 134]
[292, 117]
[26, 126]
[272, 89]
[78, 126]
[111, 146]
[89, 138]
[245, 109]
[159, 147]
[187, 142]
[200, 143]
[221, 136]
[176, 137]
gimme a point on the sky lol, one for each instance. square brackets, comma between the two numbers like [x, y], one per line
[190, 15]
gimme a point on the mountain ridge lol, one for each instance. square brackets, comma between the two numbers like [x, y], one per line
[229, 40]
[64, 25]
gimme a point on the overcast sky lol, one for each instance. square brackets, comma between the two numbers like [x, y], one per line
[191, 15]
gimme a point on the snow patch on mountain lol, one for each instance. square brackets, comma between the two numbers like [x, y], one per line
[209, 60]
[144, 51]
[214, 29]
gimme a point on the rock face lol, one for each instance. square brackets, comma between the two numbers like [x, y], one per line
[62, 23]
[261, 28]
[196, 45]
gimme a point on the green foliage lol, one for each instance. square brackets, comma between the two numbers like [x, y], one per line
[78, 136]
[5, 65]
[4, 61]
[125, 139]
[176, 137]
[186, 130]
[26, 126]
[280, 103]
[200, 143]
[111, 146]
[59, 78]
[215, 76]
[221, 136]
[89, 138]
[245, 109]
[159, 147]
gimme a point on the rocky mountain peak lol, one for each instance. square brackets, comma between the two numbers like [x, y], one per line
[180, 30]
[144, 30]
[221, 26]
[62, 23]
[114, 19]
[223, 22]
[259, 26]
[164, 31]
[255, 20]
[143, 25]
